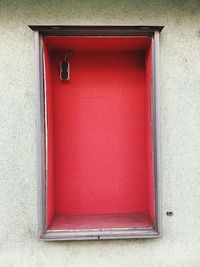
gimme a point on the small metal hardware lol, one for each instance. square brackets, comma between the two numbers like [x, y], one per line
[65, 68]
[169, 213]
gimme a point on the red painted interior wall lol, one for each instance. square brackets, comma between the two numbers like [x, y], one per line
[50, 155]
[149, 140]
[99, 126]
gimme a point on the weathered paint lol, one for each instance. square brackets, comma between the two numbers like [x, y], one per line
[180, 128]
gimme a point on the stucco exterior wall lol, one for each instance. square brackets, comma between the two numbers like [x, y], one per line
[180, 134]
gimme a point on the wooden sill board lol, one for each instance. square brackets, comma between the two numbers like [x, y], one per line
[101, 221]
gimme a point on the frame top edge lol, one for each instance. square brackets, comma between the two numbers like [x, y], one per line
[50, 29]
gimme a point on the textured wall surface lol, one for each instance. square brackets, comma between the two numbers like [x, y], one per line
[180, 132]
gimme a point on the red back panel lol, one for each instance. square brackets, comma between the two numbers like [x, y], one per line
[100, 126]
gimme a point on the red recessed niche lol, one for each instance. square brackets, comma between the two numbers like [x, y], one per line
[99, 133]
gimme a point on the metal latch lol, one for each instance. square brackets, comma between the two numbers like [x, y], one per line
[65, 68]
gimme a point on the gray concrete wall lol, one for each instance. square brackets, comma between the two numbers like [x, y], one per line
[180, 132]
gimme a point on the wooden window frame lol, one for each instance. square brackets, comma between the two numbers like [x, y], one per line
[61, 30]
